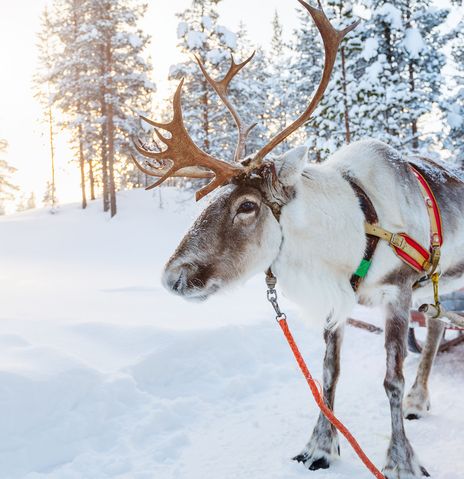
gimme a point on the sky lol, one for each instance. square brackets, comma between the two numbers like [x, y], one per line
[20, 114]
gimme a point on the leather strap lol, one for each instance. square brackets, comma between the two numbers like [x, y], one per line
[371, 241]
[416, 256]
[433, 210]
[405, 247]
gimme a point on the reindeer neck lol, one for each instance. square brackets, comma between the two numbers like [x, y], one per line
[323, 236]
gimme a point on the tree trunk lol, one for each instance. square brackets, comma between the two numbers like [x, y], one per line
[389, 55]
[104, 136]
[52, 155]
[204, 102]
[412, 89]
[345, 99]
[91, 180]
[82, 164]
[412, 85]
[110, 132]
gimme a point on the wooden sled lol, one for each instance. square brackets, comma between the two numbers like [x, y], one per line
[452, 314]
[452, 306]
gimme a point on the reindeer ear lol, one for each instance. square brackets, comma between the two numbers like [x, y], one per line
[291, 164]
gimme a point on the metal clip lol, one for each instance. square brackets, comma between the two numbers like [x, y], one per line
[436, 297]
[271, 282]
[272, 298]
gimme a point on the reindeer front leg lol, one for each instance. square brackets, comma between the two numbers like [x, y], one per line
[402, 462]
[323, 445]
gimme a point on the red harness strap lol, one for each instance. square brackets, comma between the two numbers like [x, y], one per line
[408, 249]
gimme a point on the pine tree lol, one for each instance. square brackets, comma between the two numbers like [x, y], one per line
[43, 87]
[7, 188]
[250, 91]
[454, 106]
[199, 34]
[30, 204]
[306, 66]
[123, 80]
[403, 71]
[21, 205]
[278, 103]
[50, 199]
[336, 119]
[68, 75]
[424, 59]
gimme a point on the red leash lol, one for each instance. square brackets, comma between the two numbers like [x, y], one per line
[271, 282]
[320, 402]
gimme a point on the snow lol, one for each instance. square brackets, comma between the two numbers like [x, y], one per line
[228, 38]
[103, 374]
[135, 40]
[207, 22]
[371, 46]
[455, 120]
[391, 14]
[195, 39]
[216, 56]
[413, 42]
[182, 29]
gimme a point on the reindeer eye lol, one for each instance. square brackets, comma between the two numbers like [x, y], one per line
[247, 207]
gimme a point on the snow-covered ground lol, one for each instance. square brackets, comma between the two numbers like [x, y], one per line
[103, 374]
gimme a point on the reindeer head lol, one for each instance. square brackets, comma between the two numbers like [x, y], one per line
[239, 233]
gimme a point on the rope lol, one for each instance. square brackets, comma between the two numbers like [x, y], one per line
[320, 402]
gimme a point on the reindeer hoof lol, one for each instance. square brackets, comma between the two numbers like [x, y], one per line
[416, 404]
[321, 463]
[412, 417]
[400, 474]
[424, 472]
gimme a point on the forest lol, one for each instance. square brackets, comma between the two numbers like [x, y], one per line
[398, 78]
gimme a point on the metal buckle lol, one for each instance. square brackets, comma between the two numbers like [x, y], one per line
[397, 240]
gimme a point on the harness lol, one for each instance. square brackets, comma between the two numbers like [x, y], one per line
[404, 246]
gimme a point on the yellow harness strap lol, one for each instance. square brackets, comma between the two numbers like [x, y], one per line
[397, 241]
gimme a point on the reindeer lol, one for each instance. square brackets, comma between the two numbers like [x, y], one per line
[307, 222]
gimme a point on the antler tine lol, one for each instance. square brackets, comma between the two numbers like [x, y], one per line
[185, 156]
[160, 172]
[221, 88]
[331, 38]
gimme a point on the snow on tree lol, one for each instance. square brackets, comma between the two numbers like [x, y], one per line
[122, 75]
[403, 73]
[339, 118]
[7, 188]
[281, 79]
[249, 91]
[306, 67]
[199, 33]
[453, 103]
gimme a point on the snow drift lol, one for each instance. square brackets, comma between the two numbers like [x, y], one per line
[103, 374]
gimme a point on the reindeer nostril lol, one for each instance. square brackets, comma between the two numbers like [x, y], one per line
[177, 285]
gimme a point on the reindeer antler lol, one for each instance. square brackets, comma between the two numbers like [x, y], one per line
[188, 160]
[186, 157]
[221, 88]
[331, 38]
